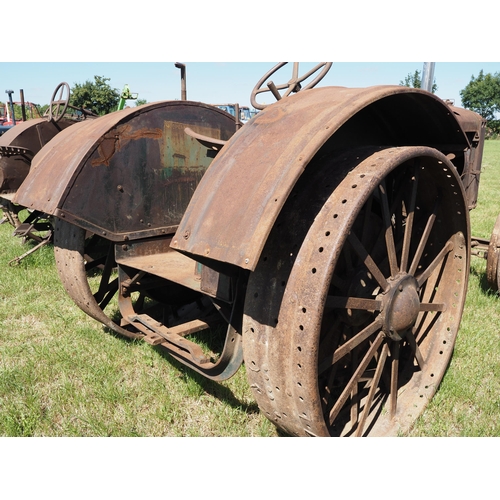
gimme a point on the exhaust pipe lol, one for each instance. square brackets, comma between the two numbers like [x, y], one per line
[182, 67]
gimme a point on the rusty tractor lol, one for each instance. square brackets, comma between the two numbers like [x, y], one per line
[329, 236]
[489, 249]
[18, 147]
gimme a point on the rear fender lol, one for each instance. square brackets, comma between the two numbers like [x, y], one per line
[240, 197]
[20, 144]
[127, 175]
[474, 127]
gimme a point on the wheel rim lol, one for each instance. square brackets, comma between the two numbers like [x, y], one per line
[74, 267]
[358, 336]
[492, 270]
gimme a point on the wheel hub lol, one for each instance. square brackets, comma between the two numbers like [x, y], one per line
[401, 305]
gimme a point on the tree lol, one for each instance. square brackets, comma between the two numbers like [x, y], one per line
[482, 95]
[415, 80]
[97, 96]
[140, 102]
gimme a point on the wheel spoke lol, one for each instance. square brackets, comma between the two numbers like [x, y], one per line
[428, 306]
[349, 268]
[389, 235]
[328, 397]
[354, 409]
[368, 261]
[338, 282]
[394, 378]
[331, 337]
[335, 302]
[371, 393]
[367, 221]
[409, 223]
[416, 351]
[106, 293]
[438, 260]
[348, 346]
[104, 285]
[423, 240]
[425, 326]
[92, 264]
[355, 378]
[379, 249]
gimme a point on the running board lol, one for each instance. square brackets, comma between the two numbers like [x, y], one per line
[155, 333]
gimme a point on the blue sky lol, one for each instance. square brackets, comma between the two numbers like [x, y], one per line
[368, 42]
[219, 82]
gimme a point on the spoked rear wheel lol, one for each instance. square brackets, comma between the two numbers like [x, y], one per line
[71, 244]
[355, 336]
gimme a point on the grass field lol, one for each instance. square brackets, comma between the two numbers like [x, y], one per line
[468, 400]
[61, 374]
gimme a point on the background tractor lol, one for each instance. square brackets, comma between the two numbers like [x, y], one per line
[19, 144]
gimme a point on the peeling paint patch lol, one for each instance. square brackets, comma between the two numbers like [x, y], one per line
[116, 139]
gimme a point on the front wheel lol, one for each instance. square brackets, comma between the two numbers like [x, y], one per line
[354, 335]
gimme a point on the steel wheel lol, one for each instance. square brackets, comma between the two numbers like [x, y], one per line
[71, 245]
[492, 270]
[349, 330]
[87, 268]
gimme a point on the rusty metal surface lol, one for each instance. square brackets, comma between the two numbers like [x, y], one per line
[241, 195]
[72, 266]
[492, 268]
[129, 174]
[470, 121]
[154, 256]
[352, 311]
[474, 127]
[18, 146]
[360, 253]
[69, 249]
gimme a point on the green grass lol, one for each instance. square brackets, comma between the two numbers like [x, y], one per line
[468, 400]
[61, 374]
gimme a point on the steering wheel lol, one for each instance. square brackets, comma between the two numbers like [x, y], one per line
[58, 107]
[293, 84]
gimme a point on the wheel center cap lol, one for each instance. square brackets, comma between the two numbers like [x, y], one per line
[401, 305]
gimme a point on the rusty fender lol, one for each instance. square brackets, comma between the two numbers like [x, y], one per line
[20, 144]
[129, 174]
[238, 200]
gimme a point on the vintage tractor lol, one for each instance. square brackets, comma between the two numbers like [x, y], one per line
[18, 147]
[329, 236]
[7, 112]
